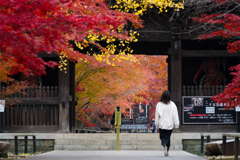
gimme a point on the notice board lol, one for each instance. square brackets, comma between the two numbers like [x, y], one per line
[2, 105]
[203, 110]
[134, 126]
[127, 121]
[141, 112]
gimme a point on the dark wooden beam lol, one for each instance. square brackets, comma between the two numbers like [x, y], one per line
[209, 128]
[166, 36]
[31, 129]
[150, 48]
[208, 53]
[154, 36]
[34, 101]
[45, 54]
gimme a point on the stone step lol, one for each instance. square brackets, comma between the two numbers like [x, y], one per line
[107, 141]
[128, 141]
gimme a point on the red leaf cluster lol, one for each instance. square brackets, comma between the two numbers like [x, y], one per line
[29, 27]
[228, 27]
[230, 97]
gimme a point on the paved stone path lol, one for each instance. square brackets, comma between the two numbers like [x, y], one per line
[115, 155]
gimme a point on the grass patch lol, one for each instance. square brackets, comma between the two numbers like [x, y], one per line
[12, 155]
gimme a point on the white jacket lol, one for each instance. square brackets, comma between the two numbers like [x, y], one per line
[166, 116]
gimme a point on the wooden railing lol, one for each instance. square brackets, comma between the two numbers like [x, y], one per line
[201, 90]
[33, 107]
[224, 139]
[202, 140]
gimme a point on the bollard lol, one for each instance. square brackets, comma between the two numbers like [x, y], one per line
[208, 139]
[236, 148]
[118, 118]
[26, 144]
[202, 139]
[224, 145]
[16, 144]
[34, 144]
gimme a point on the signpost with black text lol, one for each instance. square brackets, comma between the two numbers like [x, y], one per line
[203, 110]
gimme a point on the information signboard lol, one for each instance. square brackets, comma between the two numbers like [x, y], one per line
[2, 105]
[127, 121]
[141, 112]
[237, 108]
[203, 110]
[134, 126]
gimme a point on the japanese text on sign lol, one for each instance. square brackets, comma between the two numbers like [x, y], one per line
[203, 110]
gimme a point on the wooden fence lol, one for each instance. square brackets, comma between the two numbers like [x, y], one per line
[201, 90]
[33, 110]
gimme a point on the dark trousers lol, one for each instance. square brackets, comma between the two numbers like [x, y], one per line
[153, 131]
[165, 136]
[116, 130]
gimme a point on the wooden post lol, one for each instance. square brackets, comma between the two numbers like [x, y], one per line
[72, 94]
[34, 144]
[63, 80]
[224, 145]
[26, 143]
[169, 71]
[236, 148]
[16, 144]
[208, 139]
[202, 139]
[176, 74]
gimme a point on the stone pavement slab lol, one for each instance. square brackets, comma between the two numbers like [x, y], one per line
[115, 155]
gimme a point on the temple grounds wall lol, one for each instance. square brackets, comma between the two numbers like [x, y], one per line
[93, 141]
[42, 145]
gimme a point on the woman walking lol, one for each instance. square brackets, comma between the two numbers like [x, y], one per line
[166, 118]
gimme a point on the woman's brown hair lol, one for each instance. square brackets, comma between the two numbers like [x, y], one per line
[165, 98]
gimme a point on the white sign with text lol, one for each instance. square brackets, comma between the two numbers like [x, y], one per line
[2, 105]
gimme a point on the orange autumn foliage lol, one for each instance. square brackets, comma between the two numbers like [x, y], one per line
[100, 87]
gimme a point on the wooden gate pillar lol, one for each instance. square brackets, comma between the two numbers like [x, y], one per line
[63, 80]
[176, 74]
[72, 102]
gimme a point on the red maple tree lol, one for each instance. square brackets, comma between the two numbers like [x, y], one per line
[30, 27]
[227, 25]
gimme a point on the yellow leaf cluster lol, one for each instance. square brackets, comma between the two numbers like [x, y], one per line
[114, 47]
[120, 46]
[63, 63]
[138, 7]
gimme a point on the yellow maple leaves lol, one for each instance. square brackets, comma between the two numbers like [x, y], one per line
[114, 46]
[141, 6]
[63, 63]
[118, 46]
